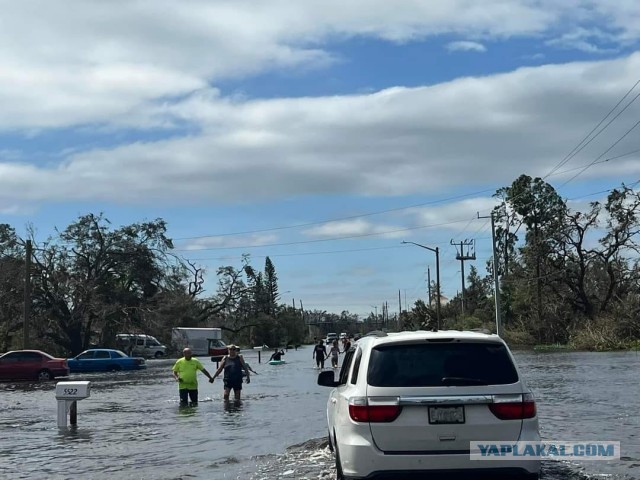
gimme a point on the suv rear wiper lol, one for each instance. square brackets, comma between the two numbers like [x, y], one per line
[462, 381]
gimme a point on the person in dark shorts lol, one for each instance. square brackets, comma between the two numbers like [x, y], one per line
[185, 372]
[233, 366]
[320, 354]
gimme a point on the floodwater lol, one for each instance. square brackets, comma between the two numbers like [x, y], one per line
[132, 427]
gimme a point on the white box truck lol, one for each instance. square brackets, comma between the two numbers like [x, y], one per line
[197, 339]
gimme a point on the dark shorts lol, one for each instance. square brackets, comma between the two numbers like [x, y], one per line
[186, 394]
[233, 384]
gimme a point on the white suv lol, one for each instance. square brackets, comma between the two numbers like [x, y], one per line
[408, 404]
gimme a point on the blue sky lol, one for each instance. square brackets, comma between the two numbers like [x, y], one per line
[322, 134]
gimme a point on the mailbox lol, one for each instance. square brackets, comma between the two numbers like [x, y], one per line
[73, 390]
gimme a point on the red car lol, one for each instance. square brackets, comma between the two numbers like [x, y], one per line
[217, 349]
[32, 364]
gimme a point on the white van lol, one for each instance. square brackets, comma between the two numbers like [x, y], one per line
[331, 337]
[141, 345]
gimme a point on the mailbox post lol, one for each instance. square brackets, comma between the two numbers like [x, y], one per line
[67, 395]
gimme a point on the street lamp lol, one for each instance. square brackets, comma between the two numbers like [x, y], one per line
[437, 252]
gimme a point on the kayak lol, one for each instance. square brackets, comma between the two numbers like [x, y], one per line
[276, 362]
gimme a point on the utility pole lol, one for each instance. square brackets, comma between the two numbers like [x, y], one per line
[386, 313]
[462, 255]
[27, 296]
[429, 284]
[399, 303]
[496, 278]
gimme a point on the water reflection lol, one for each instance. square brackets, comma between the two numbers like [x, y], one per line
[74, 434]
[187, 410]
[232, 406]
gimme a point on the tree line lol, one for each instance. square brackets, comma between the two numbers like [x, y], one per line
[567, 276]
[91, 281]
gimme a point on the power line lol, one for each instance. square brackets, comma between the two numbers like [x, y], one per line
[307, 253]
[617, 157]
[301, 242]
[602, 154]
[578, 148]
[444, 200]
[338, 219]
[304, 254]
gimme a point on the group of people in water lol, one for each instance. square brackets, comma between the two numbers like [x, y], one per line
[233, 365]
[235, 369]
[320, 352]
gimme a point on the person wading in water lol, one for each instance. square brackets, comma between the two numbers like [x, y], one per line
[184, 371]
[320, 354]
[233, 366]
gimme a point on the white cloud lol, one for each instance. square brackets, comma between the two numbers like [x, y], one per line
[231, 241]
[586, 40]
[356, 228]
[457, 216]
[105, 62]
[397, 141]
[466, 46]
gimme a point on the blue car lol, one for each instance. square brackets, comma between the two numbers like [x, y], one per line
[104, 360]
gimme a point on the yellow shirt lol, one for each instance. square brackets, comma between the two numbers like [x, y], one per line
[187, 370]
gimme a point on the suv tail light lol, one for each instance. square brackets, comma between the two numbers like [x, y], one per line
[381, 409]
[507, 409]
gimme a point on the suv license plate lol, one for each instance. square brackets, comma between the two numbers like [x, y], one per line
[446, 415]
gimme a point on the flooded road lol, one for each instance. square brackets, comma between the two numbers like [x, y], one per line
[132, 428]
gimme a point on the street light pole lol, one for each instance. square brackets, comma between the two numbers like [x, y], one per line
[437, 252]
[496, 277]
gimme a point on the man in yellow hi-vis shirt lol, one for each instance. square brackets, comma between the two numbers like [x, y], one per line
[185, 372]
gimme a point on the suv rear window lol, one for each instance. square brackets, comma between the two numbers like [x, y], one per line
[440, 364]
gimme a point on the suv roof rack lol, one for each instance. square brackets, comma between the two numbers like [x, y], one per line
[375, 333]
[480, 330]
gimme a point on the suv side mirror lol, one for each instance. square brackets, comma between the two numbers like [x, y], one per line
[326, 379]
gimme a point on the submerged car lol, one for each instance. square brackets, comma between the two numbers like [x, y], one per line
[409, 404]
[31, 364]
[105, 360]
